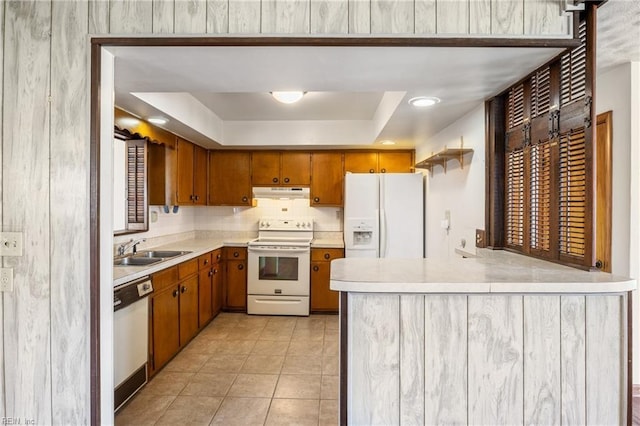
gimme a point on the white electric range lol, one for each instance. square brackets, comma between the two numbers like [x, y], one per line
[278, 281]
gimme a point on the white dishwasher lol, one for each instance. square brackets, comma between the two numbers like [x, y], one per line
[130, 338]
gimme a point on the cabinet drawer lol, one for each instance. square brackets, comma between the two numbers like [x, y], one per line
[318, 255]
[216, 255]
[187, 268]
[204, 261]
[237, 253]
[164, 279]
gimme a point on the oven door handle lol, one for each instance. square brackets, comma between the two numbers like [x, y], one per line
[264, 250]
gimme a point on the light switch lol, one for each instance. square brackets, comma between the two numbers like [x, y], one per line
[10, 243]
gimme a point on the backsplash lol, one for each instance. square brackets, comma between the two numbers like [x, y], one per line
[326, 219]
[168, 227]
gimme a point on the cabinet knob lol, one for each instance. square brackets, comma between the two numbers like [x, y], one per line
[236, 254]
[599, 264]
[316, 268]
[197, 197]
[327, 256]
[175, 293]
[183, 289]
[191, 197]
[372, 171]
[215, 271]
[206, 261]
[218, 256]
[275, 180]
[383, 171]
[241, 266]
[316, 199]
[210, 273]
[286, 180]
[245, 199]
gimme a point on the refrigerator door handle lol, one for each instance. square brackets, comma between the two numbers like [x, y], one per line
[383, 234]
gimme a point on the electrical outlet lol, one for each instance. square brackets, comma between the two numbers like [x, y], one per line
[6, 279]
[10, 243]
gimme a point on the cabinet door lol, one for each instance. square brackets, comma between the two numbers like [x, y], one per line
[200, 175]
[184, 172]
[165, 326]
[188, 309]
[229, 178]
[216, 283]
[323, 299]
[265, 168]
[236, 285]
[327, 177]
[395, 162]
[205, 299]
[296, 169]
[361, 162]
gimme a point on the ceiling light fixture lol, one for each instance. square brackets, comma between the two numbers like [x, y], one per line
[288, 97]
[387, 142]
[423, 101]
[157, 120]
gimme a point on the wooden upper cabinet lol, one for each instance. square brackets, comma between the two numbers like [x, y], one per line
[265, 168]
[271, 168]
[161, 178]
[296, 168]
[200, 175]
[327, 182]
[361, 162]
[379, 162]
[191, 173]
[185, 171]
[229, 178]
[395, 162]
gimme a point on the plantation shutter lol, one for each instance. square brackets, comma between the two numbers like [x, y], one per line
[547, 160]
[540, 196]
[573, 193]
[515, 198]
[136, 178]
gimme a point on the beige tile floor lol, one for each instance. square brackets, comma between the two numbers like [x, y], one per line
[247, 370]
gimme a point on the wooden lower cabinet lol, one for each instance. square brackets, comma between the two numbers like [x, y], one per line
[188, 299]
[173, 313]
[216, 285]
[165, 327]
[323, 299]
[235, 280]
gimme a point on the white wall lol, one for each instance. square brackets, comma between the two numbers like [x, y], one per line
[459, 190]
[162, 223]
[617, 90]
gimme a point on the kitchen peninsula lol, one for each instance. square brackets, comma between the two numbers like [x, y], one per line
[496, 339]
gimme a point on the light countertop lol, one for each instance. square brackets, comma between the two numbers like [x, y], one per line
[490, 272]
[197, 247]
[327, 243]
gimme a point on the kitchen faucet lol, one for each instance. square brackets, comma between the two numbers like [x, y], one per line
[122, 248]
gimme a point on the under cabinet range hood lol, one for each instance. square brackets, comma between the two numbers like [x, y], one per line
[280, 192]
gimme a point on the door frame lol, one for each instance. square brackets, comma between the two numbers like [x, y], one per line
[98, 246]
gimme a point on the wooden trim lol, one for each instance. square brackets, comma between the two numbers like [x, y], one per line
[344, 367]
[590, 132]
[351, 41]
[94, 237]
[604, 185]
[494, 171]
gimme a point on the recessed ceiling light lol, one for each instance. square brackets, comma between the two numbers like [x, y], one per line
[387, 142]
[288, 97]
[423, 101]
[157, 120]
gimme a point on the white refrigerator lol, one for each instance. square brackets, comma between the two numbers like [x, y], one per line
[384, 215]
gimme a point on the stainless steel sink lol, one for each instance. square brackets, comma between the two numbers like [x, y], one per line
[159, 253]
[137, 261]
